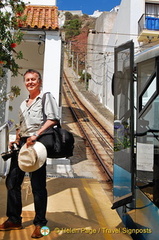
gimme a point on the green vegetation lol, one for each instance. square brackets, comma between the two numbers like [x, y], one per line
[85, 76]
[72, 25]
[11, 19]
[10, 34]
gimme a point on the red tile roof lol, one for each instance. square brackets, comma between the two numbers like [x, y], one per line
[40, 17]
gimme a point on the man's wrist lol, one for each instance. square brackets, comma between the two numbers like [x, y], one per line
[36, 134]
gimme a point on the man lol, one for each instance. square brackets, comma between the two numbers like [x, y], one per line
[31, 126]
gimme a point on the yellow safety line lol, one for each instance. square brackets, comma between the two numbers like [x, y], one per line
[101, 220]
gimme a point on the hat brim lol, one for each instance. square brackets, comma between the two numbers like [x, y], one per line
[32, 158]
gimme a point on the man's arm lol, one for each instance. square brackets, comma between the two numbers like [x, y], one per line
[17, 139]
[47, 124]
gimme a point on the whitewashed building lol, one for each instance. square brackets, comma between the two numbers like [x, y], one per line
[97, 59]
[135, 20]
[41, 48]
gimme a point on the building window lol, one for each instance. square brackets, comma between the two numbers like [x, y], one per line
[152, 9]
[152, 16]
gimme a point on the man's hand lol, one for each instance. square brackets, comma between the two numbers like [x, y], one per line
[11, 144]
[31, 140]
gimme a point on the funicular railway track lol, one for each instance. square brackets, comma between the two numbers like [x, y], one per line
[99, 139]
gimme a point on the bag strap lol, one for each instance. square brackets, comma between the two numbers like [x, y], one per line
[43, 105]
[43, 108]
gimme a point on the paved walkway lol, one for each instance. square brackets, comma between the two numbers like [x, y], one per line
[77, 209]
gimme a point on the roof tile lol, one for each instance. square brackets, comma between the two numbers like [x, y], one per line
[41, 17]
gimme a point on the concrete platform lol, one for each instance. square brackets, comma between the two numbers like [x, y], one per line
[78, 208]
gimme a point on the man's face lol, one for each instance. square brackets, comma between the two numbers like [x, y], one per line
[32, 82]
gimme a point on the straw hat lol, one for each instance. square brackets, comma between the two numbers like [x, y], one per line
[32, 158]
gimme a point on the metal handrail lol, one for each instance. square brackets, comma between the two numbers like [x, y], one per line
[3, 126]
[4, 139]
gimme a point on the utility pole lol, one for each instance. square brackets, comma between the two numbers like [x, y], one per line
[72, 55]
[70, 46]
[85, 73]
[104, 81]
[77, 65]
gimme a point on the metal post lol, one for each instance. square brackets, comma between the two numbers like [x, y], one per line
[85, 73]
[72, 61]
[104, 81]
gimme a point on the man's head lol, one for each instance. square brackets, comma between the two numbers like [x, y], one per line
[32, 80]
[33, 71]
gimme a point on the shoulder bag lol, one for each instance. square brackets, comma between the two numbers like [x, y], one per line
[58, 141]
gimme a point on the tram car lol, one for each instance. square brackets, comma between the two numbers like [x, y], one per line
[136, 140]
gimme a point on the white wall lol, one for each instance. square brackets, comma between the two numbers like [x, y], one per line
[126, 24]
[45, 58]
[32, 59]
[41, 2]
[100, 84]
[126, 27]
[52, 64]
[122, 29]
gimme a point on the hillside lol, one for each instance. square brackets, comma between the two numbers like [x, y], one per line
[76, 31]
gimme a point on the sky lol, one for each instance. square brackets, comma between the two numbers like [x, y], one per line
[87, 6]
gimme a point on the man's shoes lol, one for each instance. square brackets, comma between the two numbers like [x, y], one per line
[8, 225]
[37, 232]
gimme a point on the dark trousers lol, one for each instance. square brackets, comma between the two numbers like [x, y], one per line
[14, 201]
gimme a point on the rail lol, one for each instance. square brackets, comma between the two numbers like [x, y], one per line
[100, 141]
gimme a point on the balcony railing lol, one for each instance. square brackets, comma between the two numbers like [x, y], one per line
[148, 22]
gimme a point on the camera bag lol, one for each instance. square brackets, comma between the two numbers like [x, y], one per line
[58, 141]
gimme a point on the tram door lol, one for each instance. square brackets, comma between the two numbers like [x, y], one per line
[148, 128]
[123, 125]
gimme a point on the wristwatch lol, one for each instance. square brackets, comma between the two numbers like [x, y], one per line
[35, 134]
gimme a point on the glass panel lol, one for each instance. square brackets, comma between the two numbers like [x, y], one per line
[148, 139]
[123, 125]
[149, 92]
[144, 73]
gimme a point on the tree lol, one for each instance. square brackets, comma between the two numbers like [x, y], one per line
[10, 34]
[11, 19]
[68, 16]
[72, 28]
